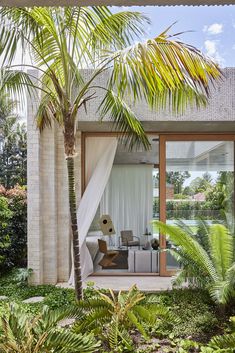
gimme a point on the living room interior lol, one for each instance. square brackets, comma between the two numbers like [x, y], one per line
[121, 238]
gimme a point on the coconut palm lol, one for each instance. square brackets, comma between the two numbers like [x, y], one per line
[64, 41]
[210, 263]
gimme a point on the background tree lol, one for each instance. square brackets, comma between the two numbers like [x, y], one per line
[13, 153]
[177, 179]
[201, 184]
[221, 195]
[7, 108]
[64, 40]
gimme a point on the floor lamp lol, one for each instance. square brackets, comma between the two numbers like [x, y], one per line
[107, 227]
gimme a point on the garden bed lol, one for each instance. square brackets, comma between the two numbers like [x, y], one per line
[195, 317]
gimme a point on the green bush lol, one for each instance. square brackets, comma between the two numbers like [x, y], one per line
[5, 217]
[188, 209]
[23, 332]
[13, 228]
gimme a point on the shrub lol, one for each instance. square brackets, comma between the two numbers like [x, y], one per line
[13, 228]
[114, 317]
[211, 266]
[23, 332]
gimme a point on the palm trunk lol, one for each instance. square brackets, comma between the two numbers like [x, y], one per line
[74, 226]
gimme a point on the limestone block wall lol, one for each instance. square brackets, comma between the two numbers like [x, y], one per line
[221, 105]
[48, 209]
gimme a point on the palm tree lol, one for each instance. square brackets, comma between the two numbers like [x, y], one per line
[207, 259]
[63, 41]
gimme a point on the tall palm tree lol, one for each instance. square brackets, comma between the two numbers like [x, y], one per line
[63, 41]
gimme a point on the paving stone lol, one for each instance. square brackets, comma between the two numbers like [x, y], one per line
[66, 322]
[33, 300]
[3, 297]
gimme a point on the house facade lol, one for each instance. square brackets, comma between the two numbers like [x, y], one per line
[197, 140]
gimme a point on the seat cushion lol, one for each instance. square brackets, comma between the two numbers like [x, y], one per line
[132, 242]
[112, 252]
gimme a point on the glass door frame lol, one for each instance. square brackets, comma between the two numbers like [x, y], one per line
[163, 139]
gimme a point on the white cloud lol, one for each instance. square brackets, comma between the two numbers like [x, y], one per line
[215, 28]
[211, 47]
[233, 47]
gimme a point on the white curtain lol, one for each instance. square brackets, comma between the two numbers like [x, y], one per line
[100, 153]
[128, 198]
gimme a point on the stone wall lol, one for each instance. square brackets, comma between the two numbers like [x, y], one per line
[48, 209]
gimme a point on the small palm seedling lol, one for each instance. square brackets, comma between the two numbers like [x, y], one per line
[210, 264]
[21, 332]
[114, 317]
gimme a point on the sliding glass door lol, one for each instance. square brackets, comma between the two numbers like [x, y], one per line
[196, 184]
[182, 179]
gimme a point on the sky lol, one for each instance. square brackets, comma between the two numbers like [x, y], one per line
[213, 27]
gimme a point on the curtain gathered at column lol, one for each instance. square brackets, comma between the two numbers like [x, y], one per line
[100, 153]
[128, 198]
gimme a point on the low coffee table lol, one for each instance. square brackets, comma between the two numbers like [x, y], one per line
[143, 261]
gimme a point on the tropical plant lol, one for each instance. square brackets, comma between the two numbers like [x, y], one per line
[210, 264]
[13, 228]
[22, 332]
[222, 343]
[112, 317]
[65, 40]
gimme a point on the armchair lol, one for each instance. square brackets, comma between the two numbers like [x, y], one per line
[128, 239]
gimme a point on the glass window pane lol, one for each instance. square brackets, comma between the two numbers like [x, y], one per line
[199, 183]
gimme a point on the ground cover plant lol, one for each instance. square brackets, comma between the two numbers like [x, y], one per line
[181, 320]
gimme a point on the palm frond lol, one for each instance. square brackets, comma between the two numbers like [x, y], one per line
[125, 120]
[117, 30]
[48, 111]
[162, 67]
[21, 332]
[221, 249]
[224, 342]
[190, 247]
[17, 84]
[223, 291]
[137, 323]
[68, 341]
